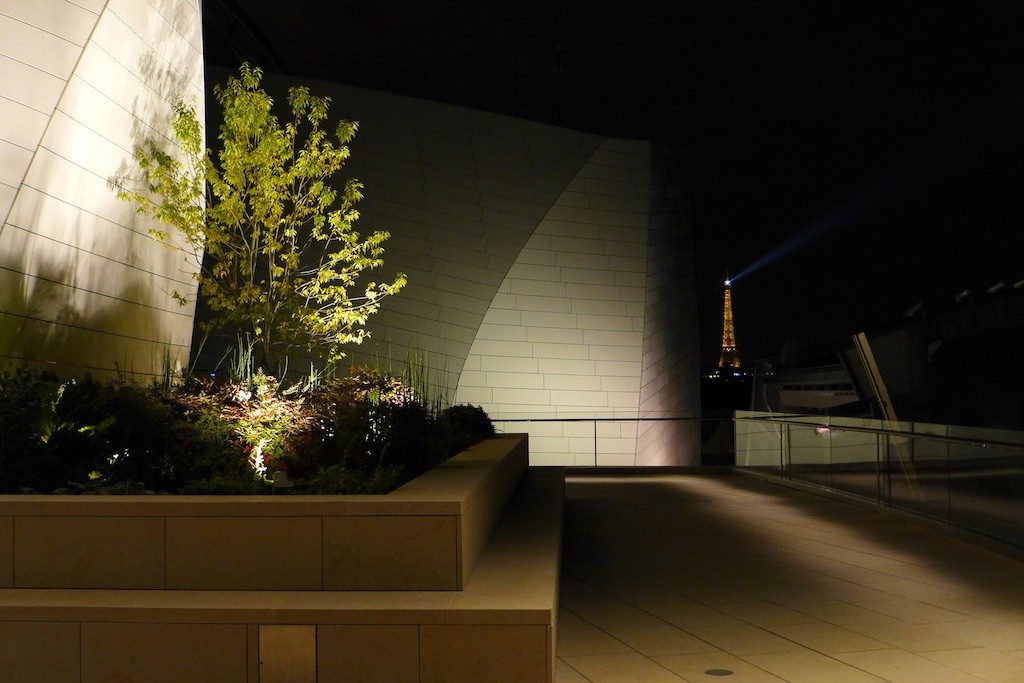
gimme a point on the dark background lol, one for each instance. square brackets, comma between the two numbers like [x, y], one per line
[869, 153]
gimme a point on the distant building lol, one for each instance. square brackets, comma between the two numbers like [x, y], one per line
[958, 362]
[730, 356]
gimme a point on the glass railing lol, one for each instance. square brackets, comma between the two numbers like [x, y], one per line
[970, 478]
[589, 441]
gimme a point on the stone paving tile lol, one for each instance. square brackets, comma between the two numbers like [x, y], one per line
[766, 614]
[696, 667]
[628, 667]
[811, 667]
[982, 662]
[659, 639]
[826, 638]
[586, 640]
[743, 639]
[897, 665]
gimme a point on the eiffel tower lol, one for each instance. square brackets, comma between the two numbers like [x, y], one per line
[730, 357]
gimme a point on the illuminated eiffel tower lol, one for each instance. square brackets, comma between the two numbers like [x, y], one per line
[730, 357]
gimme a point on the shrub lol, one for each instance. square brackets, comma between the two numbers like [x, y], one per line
[374, 422]
[463, 425]
[49, 429]
[338, 479]
[366, 433]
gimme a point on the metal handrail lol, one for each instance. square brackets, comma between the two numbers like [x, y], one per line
[949, 488]
[963, 440]
[595, 420]
[598, 419]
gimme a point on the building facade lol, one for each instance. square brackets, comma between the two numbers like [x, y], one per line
[550, 271]
[83, 288]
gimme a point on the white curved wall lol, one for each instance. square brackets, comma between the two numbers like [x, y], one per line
[550, 273]
[82, 285]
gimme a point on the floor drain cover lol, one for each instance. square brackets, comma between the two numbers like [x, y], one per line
[719, 672]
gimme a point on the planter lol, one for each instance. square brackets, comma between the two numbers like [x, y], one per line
[426, 535]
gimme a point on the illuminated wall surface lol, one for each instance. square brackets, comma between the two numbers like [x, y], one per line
[82, 285]
[550, 272]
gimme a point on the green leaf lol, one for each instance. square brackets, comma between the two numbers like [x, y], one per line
[275, 224]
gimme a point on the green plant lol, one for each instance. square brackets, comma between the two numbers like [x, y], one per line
[136, 441]
[243, 484]
[338, 479]
[365, 433]
[366, 414]
[281, 254]
[233, 429]
[49, 428]
[462, 425]
[27, 407]
[268, 421]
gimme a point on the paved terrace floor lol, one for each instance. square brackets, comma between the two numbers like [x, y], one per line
[720, 577]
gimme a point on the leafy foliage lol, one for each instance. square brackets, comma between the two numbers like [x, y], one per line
[375, 421]
[365, 433]
[463, 425]
[281, 254]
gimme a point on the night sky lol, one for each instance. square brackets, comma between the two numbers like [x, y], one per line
[846, 160]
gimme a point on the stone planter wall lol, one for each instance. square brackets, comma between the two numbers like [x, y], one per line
[500, 627]
[426, 535]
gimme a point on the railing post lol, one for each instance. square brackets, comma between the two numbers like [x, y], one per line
[880, 471]
[783, 433]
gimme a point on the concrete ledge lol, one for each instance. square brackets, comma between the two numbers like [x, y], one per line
[426, 535]
[500, 627]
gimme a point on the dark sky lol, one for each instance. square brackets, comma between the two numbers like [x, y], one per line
[874, 148]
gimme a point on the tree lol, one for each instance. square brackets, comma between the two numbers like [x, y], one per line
[274, 242]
